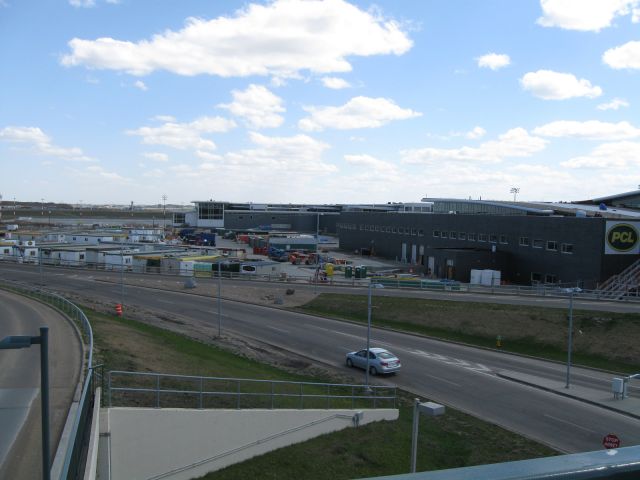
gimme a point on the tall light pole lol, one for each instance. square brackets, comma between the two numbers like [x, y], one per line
[371, 287]
[219, 298]
[570, 291]
[164, 202]
[515, 191]
[23, 341]
[42, 207]
[122, 277]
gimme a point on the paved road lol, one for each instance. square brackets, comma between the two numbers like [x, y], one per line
[31, 273]
[20, 435]
[462, 377]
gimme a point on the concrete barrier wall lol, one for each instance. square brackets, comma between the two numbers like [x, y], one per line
[183, 444]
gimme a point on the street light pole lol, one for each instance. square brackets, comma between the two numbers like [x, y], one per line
[219, 298]
[122, 277]
[570, 341]
[366, 381]
[23, 341]
[164, 224]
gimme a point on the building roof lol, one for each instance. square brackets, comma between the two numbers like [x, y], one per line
[634, 193]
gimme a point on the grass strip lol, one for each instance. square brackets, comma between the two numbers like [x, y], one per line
[600, 338]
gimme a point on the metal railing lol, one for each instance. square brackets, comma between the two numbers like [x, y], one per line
[72, 461]
[401, 283]
[158, 390]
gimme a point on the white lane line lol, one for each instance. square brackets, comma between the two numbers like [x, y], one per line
[443, 380]
[277, 329]
[569, 423]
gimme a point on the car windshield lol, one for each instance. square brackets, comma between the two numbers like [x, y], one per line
[386, 355]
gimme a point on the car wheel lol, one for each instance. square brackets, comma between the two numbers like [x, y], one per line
[349, 363]
[373, 371]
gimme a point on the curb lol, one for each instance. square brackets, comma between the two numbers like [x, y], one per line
[567, 395]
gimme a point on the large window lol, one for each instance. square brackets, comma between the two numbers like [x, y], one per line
[566, 248]
[552, 245]
[524, 241]
[483, 237]
[538, 243]
[210, 211]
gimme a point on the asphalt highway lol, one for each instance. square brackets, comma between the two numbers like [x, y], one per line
[459, 376]
[20, 420]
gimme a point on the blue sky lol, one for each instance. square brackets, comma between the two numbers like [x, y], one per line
[112, 101]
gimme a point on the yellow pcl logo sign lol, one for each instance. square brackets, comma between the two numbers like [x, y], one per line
[622, 237]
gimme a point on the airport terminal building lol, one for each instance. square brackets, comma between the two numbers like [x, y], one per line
[583, 243]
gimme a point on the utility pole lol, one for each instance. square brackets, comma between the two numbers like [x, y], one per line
[219, 298]
[164, 201]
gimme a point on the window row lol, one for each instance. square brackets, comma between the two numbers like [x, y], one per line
[547, 277]
[389, 229]
[550, 245]
[471, 237]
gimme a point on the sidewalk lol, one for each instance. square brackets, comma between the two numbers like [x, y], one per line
[630, 406]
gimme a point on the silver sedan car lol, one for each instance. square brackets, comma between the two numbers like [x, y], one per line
[381, 361]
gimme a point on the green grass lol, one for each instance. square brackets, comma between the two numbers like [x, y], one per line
[536, 331]
[381, 448]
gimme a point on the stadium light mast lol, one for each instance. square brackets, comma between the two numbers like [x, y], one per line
[515, 191]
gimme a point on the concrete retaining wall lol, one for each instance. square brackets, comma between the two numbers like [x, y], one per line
[183, 444]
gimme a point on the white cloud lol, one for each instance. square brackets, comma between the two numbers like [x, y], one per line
[624, 56]
[618, 155]
[156, 156]
[494, 61]
[258, 106]
[359, 112]
[475, 133]
[371, 163]
[184, 135]
[550, 85]
[585, 15]
[300, 154]
[614, 104]
[280, 38]
[164, 118]
[82, 3]
[140, 84]
[42, 143]
[514, 143]
[335, 83]
[592, 129]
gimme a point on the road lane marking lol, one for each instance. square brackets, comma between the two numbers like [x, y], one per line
[281, 330]
[440, 379]
[569, 423]
[475, 367]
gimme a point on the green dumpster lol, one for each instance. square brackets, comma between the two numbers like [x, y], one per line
[348, 271]
[358, 272]
[363, 271]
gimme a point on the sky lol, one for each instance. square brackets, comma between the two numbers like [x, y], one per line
[294, 101]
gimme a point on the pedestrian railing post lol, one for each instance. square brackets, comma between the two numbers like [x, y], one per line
[157, 391]
[301, 397]
[272, 398]
[238, 396]
[201, 382]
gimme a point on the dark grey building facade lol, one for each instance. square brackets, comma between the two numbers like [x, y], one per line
[526, 249]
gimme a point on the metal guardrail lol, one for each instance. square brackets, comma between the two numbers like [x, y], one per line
[615, 464]
[71, 467]
[158, 390]
[543, 290]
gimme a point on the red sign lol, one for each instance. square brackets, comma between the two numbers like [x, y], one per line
[610, 441]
